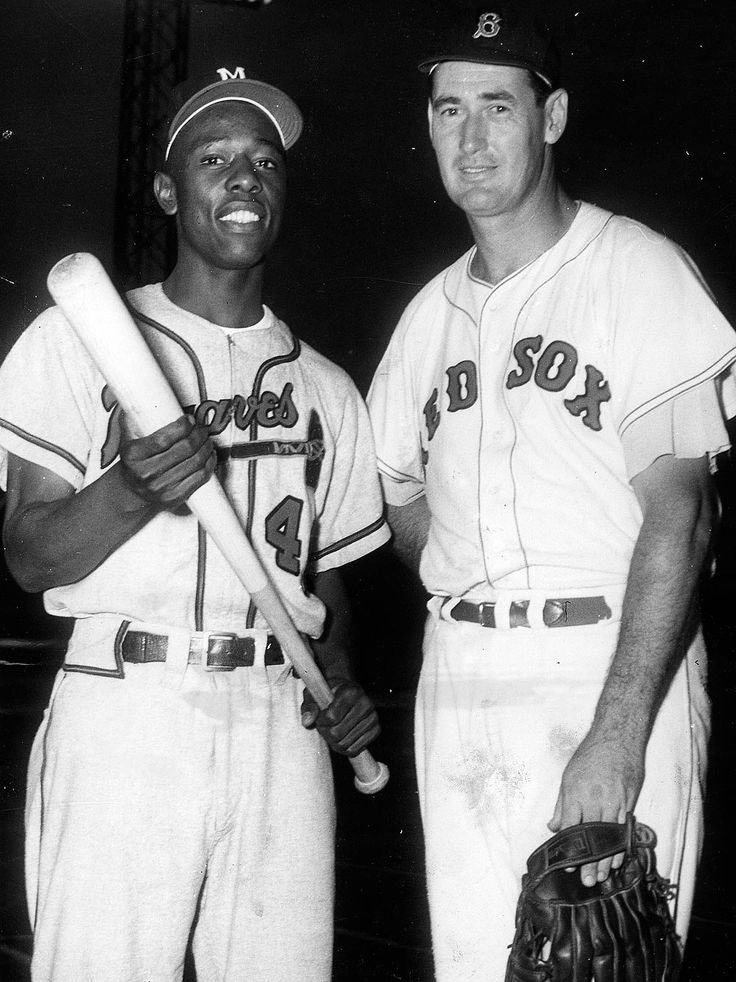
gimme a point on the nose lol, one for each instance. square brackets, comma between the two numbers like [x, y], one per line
[243, 176]
[473, 136]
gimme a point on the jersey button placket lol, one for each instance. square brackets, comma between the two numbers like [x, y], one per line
[494, 478]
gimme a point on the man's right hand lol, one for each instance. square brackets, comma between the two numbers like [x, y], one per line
[165, 468]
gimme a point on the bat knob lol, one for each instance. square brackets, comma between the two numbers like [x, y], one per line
[376, 782]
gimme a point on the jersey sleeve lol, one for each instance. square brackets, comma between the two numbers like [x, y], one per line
[391, 400]
[351, 522]
[46, 400]
[673, 355]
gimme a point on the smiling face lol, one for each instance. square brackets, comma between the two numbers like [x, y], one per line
[226, 184]
[491, 135]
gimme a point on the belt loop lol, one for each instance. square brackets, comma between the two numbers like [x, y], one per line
[535, 612]
[177, 657]
[502, 614]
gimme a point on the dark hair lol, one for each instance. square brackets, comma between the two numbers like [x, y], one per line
[540, 87]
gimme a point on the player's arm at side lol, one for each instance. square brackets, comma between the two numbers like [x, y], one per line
[409, 525]
[54, 535]
[350, 722]
[604, 777]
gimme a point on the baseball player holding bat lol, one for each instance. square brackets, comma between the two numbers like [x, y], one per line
[544, 417]
[179, 786]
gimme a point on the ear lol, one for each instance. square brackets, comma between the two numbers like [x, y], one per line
[555, 116]
[430, 118]
[165, 191]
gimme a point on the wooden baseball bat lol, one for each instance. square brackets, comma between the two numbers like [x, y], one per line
[82, 289]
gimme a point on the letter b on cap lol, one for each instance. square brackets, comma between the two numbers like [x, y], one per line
[488, 26]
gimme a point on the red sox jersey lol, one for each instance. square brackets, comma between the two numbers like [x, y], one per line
[295, 455]
[522, 410]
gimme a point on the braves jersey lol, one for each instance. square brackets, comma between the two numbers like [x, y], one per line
[522, 410]
[295, 455]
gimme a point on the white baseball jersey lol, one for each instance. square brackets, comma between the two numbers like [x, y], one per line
[295, 449]
[523, 409]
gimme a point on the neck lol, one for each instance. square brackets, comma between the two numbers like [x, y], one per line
[509, 241]
[229, 297]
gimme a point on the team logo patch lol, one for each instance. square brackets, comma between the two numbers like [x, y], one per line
[226, 75]
[489, 26]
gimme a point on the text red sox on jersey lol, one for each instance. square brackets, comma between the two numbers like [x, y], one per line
[552, 367]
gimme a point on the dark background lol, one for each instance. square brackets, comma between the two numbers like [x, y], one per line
[651, 135]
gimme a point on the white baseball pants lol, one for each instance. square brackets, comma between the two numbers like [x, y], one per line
[499, 714]
[171, 799]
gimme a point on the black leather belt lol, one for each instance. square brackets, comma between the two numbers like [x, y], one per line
[566, 612]
[215, 652]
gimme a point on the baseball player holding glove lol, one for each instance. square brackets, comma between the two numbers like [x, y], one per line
[178, 785]
[544, 416]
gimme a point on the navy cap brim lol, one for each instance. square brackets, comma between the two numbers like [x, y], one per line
[429, 64]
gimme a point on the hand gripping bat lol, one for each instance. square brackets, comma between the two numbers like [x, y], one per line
[83, 291]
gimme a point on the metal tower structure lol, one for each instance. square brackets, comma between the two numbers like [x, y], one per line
[156, 45]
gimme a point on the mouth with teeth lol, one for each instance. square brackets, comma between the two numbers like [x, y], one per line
[241, 217]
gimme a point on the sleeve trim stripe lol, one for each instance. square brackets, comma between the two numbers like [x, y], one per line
[710, 372]
[349, 540]
[43, 444]
[399, 477]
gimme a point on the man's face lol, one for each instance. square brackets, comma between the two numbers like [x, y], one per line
[226, 185]
[489, 135]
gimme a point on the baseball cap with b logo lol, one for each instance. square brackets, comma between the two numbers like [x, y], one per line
[501, 32]
[193, 96]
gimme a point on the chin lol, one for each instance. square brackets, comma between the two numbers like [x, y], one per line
[482, 204]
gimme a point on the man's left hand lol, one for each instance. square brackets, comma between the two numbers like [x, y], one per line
[601, 783]
[349, 723]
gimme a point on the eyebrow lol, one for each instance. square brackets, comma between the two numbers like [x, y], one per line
[261, 142]
[501, 95]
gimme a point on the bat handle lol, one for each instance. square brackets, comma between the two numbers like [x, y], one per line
[370, 774]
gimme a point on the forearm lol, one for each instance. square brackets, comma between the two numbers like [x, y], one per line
[604, 776]
[657, 609]
[410, 528]
[52, 543]
[333, 650]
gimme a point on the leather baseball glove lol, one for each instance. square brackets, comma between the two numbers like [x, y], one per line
[620, 930]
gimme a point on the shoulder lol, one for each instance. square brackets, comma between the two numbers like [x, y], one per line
[324, 372]
[52, 334]
[434, 302]
[630, 244]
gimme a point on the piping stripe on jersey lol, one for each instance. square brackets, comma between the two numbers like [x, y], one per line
[504, 393]
[118, 672]
[184, 345]
[253, 463]
[398, 477]
[202, 390]
[348, 540]
[646, 407]
[44, 445]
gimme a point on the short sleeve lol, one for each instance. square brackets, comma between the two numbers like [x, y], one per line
[351, 522]
[673, 351]
[391, 400]
[46, 402]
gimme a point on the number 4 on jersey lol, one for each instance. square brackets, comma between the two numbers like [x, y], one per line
[282, 532]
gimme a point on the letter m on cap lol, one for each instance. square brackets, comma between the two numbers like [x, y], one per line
[226, 74]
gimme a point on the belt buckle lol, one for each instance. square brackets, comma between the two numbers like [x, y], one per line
[216, 636]
[486, 614]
